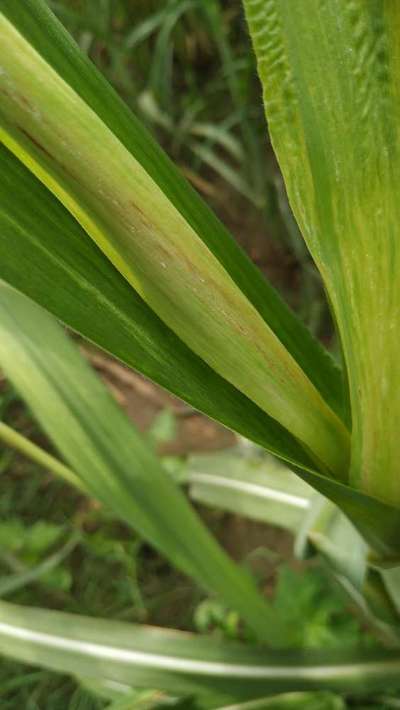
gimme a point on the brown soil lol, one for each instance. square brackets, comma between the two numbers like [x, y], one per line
[143, 400]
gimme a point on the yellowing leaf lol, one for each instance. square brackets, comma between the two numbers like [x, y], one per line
[73, 152]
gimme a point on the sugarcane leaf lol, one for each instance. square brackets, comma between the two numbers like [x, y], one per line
[331, 90]
[250, 485]
[52, 262]
[184, 663]
[49, 127]
[105, 451]
[34, 20]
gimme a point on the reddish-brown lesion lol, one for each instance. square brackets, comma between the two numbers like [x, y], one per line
[137, 209]
[49, 155]
[35, 142]
[25, 101]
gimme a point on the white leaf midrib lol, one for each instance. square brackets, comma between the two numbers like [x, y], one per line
[191, 666]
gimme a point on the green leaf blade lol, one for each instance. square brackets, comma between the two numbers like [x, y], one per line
[333, 106]
[123, 210]
[105, 451]
[183, 663]
[92, 298]
[34, 20]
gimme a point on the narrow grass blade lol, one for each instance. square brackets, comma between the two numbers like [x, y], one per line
[331, 89]
[35, 453]
[9, 584]
[34, 20]
[49, 247]
[47, 124]
[183, 663]
[104, 450]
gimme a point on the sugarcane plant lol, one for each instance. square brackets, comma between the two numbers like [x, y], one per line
[100, 231]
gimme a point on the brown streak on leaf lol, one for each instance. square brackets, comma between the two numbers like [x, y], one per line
[140, 212]
[25, 101]
[35, 142]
